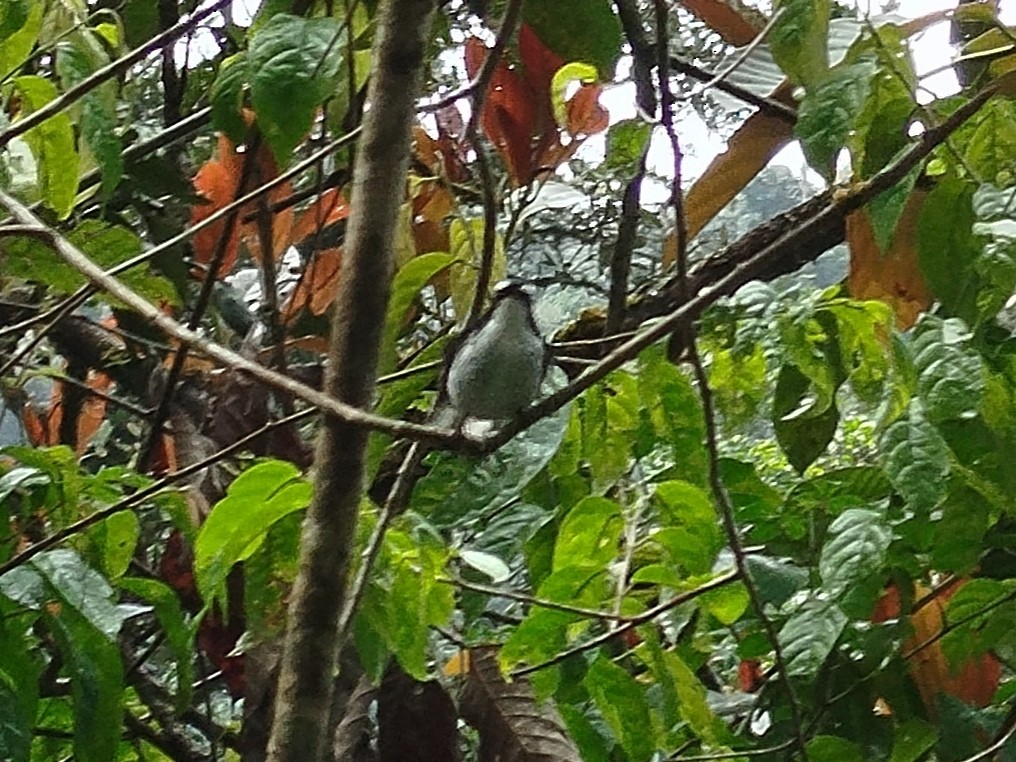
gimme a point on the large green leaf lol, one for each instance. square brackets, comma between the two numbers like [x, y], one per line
[799, 40]
[77, 59]
[828, 112]
[106, 245]
[237, 525]
[18, 43]
[227, 97]
[96, 672]
[951, 381]
[293, 66]
[578, 30]
[589, 534]
[623, 704]
[52, 144]
[809, 636]
[417, 602]
[855, 549]
[62, 574]
[803, 431]
[19, 687]
[916, 458]
[688, 527]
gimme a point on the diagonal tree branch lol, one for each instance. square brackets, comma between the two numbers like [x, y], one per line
[28, 223]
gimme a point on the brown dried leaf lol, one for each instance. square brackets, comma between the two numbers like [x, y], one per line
[748, 152]
[734, 21]
[513, 725]
[893, 276]
[417, 721]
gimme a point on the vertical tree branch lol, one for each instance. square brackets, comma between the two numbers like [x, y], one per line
[305, 682]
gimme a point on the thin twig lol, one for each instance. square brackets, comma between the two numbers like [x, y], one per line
[509, 23]
[632, 622]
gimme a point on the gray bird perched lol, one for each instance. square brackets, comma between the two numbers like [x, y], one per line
[492, 372]
[496, 369]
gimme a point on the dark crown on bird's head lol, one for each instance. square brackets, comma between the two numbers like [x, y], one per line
[511, 288]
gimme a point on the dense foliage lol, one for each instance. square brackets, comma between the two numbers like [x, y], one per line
[766, 507]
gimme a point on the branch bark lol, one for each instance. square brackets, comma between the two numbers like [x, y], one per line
[299, 731]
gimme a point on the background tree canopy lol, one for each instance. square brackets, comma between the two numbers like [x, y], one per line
[764, 510]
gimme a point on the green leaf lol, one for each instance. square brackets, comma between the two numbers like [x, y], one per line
[834, 749]
[623, 704]
[803, 431]
[799, 40]
[52, 145]
[951, 380]
[946, 245]
[887, 207]
[626, 141]
[116, 539]
[606, 428]
[990, 148]
[727, 604]
[406, 287]
[855, 549]
[881, 127]
[670, 410]
[775, 580]
[417, 602]
[226, 97]
[914, 738]
[93, 663]
[106, 245]
[18, 44]
[465, 237]
[809, 635]
[19, 688]
[916, 458]
[827, 113]
[589, 534]
[959, 534]
[179, 636]
[13, 16]
[982, 613]
[578, 30]
[689, 530]
[237, 525]
[294, 64]
[77, 59]
[62, 573]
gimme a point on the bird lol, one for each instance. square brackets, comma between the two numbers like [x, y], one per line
[492, 371]
[496, 368]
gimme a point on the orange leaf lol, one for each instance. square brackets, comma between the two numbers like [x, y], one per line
[585, 114]
[217, 182]
[330, 207]
[748, 152]
[893, 276]
[93, 410]
[974, 682]
[733, 25]
[318, 284]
